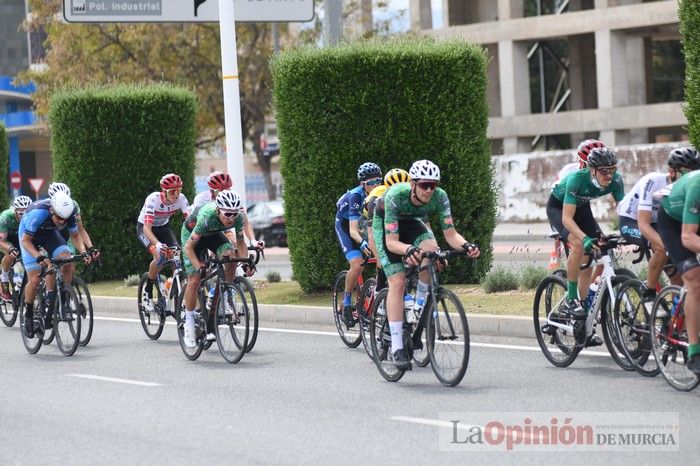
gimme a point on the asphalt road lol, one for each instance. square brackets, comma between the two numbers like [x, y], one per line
[300, 397]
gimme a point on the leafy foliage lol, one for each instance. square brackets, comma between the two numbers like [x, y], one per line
[112, 145]
[689, 13]
[500, 279]
[391, 102]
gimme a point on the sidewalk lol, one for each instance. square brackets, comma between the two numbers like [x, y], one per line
[312, 317]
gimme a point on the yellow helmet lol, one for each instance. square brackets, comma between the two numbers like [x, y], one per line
[396, 175]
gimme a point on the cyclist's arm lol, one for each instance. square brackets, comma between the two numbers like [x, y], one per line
[148, 231]
[4, 245]
[248, 230]
[567, 218]
[690, 238]
[241, 248]
[644, 222]
[26, 243]
[394, 245]
[84, 235]
[189, 250]
[77, 241]
[454, 239]
[355, 231]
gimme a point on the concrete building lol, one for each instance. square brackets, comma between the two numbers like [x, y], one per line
[29, 143]
[564, 70]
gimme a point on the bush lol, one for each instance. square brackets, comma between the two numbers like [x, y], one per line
[111, 145]
[390, 102]
[689, 13]
[132, 280]
[273, 277]
[531, 276]
[500, 279]
[4, 165]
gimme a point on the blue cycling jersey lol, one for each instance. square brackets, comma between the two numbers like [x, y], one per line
[38, 219]
[350, 204]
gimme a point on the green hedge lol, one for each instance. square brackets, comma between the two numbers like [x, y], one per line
[392, 103]
[111, 145]
[689, 13]
[4, 168]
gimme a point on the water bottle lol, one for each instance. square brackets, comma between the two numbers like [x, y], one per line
[210, 298]
[168, 286]
[17, 281]
[675, 305]
[408, 304]
[418, 306]
[592, 290]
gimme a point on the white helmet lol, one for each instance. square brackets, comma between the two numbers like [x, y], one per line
[424, 170]
[228, 200]
[58, 187]
[62, 205]
[21, 202]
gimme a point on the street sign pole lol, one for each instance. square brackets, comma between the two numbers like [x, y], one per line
[232, 97]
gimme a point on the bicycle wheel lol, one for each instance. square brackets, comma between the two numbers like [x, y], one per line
[67, 320]
[631, 323]
[191, 353]
[420, 347]
[380, 339]
[626, 273]
[86, 313]
[34, 343]
[448, 338]
[611, 338]
[232, 323]
[8, 313]
[554, 330]
[249, 292]
[351, 337]
[667, 331]
[151, 321]
[367, 294]
[561, 273]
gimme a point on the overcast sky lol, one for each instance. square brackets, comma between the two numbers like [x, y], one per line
[397, 5]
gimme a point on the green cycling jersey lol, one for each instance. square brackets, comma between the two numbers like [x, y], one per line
[683, 202]
[578, 188]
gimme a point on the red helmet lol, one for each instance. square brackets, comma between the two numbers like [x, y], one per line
[171, 181]
[586, 147]
[219, 181]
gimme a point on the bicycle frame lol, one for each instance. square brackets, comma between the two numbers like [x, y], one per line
[677, 322]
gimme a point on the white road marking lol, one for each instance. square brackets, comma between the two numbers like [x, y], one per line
[115, 380]
[432, 422]
[335, 334]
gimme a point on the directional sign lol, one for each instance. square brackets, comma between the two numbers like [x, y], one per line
[16, 180]
[177, 11]
[36, 184]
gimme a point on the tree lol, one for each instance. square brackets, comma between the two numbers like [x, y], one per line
[187, 55]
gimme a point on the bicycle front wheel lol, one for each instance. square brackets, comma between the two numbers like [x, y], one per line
[631, 321]
[553, 328]
[667, 334]
[249, 292]
[380, 339]
[152, 321]
[367, 294]
[612, 340]
[232, 323]
[352, 337]
[8, 313]
[67, 320]
[448, 338]
[86, 313]
[32, 343]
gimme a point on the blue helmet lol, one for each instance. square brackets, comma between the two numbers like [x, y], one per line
[368, 170]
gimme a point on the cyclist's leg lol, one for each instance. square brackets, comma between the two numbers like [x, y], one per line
[555, 210]
[8, 261]
[354, 257]
[33, 270]
[585, 221]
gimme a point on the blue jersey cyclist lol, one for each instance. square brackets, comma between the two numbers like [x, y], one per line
[347, 217]
[62, 187]
[9, 241]
[39, 228]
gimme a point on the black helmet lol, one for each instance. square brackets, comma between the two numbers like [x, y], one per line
[684, 157]
[602, 157]
[368, 170]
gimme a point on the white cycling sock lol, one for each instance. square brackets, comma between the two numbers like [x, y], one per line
[396, 335]
[4, 277]
[189, 316]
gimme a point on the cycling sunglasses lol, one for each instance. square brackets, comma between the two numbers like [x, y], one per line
[607, 171]
[374, 181]
[229, 214]
[168, 191]
[427, 185]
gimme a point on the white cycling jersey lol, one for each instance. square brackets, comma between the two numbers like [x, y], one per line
[565, 170]
[640, 197]
[157, 213]
[201, 199]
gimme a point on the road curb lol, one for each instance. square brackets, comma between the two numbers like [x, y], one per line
[316, 316]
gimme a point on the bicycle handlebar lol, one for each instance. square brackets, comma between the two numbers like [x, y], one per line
[611, 242]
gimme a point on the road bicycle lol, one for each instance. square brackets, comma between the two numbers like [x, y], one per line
[17, 279]
[165, 293]
[352, 337]
[562, 337]
[248, 289]
[669, 338]
[442, 318]
[61, 317]
[228, 318]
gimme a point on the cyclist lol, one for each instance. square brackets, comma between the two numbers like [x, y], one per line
[218, 181]
[638, 213]
[94, 252]
[349, 235]
[38, 228]
[209, 228]
[399, 231]
[678, 227]
[569, 212]
[152, 227]
[393, 176]
[9, 241]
